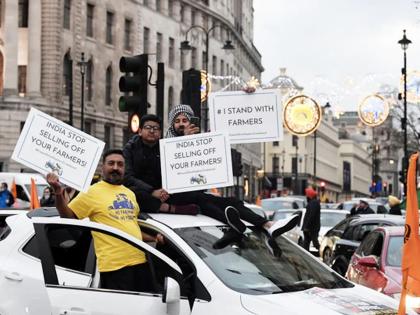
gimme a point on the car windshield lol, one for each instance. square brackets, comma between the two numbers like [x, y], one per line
[248, 266]
[332, 218]
[393, 257]
[277, 204]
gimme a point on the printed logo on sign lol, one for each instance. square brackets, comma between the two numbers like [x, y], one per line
[199, 179]
[55, 167]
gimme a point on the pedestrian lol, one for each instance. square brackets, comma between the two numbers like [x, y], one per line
[228, 210]
[6, 197]
[121, 266]
[312, 220]
[363, 208]
[394, 203]
[47, 199]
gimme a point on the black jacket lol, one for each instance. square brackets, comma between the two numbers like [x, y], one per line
[312, 220]
[367, 210]
[395, 210]
[142, 166]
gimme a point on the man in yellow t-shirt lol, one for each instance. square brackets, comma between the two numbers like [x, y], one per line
[121, 266]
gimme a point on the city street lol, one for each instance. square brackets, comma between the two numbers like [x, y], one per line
[209, 156]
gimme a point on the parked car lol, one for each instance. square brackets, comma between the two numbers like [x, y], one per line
[54, 257]
[329, 218]
[340, 242]
[377, 261]
[272, 204]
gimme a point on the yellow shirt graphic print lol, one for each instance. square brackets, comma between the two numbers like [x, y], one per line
[116, 206]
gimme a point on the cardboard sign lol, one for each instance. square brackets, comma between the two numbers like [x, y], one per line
[47, 144]
[248, 118]
[196, 162]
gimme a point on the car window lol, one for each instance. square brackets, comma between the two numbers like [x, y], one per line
[394, 254]
[359, 231]
[69, 247]
[341, 226]
[190, 284]
[331, 218]
[248, 266]
[371, 245]
[66, 241]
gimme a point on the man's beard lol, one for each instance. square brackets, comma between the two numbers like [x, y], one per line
[180, 131]
[114, 178]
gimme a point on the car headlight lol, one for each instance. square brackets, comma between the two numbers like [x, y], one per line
[412, 302]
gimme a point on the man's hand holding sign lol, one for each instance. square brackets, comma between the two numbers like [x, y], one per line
[46, 145]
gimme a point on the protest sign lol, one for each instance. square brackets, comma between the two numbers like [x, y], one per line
[47, 144]
[247, 117]
[196, 162]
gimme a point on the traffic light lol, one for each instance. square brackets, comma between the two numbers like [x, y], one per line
[236, 162]
[191, 90]
[403, 172]
[134, 85]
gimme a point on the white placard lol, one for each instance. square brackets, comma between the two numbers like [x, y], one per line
[247, 117]
[196, 162]
[47, 144]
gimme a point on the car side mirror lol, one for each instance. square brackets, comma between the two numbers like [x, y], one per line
[369, 261]
[171, 296]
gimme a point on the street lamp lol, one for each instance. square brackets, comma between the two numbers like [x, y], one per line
[185, 45]
[404, 42]
[82, 66]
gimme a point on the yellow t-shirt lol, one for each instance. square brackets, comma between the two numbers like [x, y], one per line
[116, 206]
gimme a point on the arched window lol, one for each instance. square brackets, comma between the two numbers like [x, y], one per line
[67, 74]
[89, 80]
[108, 86]
[170, 96]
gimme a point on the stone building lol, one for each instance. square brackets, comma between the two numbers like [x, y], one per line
[42, 41]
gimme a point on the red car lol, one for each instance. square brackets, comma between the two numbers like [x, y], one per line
[377, 261]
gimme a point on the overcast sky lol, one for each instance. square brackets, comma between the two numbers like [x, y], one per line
[341, 48]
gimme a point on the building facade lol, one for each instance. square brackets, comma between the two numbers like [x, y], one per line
[42, 41]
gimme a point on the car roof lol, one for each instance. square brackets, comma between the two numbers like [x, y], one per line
[362, 218]
[183, 221]
[327, 210]
[392, 230]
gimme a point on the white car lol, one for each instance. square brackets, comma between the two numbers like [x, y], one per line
[329, 218]
[47, 266]
[271, 205]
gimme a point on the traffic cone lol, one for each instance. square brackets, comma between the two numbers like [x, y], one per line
[34, 195]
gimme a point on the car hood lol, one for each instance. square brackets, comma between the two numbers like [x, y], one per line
[321, 301]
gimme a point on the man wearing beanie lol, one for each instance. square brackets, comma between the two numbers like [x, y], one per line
[233, 209]
[394, 203]
[312, 221]
[179, 122]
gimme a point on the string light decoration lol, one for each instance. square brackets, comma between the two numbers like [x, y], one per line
[373, 110]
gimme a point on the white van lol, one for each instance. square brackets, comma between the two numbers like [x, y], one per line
[23, 186]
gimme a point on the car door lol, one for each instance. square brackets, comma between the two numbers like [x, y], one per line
[370, 276]
[73, 297]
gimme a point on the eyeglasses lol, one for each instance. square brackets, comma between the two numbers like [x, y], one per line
[150, 128]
